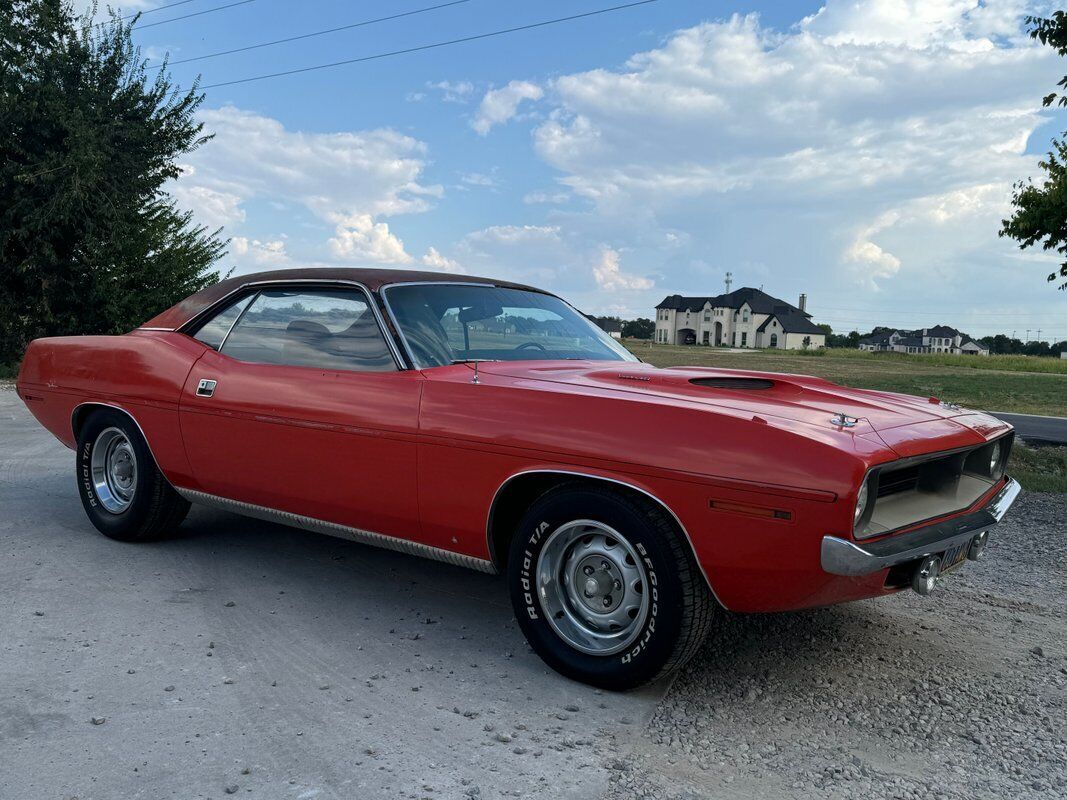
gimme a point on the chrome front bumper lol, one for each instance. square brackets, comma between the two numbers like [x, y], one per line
[843, 557]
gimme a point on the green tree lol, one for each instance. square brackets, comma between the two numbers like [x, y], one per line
[640, 328]
[1040, 214]
[89, 240]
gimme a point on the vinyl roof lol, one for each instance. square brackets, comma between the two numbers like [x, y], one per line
[373, 279]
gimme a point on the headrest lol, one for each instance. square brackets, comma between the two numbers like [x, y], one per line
[307, 328]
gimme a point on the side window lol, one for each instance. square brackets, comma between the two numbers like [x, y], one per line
[333, 330]
[213, 332]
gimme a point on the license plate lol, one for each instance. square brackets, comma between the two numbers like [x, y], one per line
[952, 558]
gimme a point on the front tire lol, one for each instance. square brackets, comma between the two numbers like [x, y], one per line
[122, 490]
[605, 587]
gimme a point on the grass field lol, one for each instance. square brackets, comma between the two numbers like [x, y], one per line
[1039, 469]
[993, 383]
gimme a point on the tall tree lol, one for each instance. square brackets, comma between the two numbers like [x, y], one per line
[639, 328]
[1041, 209]
[89, 240]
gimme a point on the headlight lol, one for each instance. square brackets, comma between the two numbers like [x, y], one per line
[861, 506]
[995, 467]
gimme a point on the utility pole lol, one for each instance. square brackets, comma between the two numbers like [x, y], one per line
[1039, 334]
[729, 280]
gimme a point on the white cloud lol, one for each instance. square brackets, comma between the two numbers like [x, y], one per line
[256, 253]
[435, 261]
[516, 234]
[925, 232]
[500, 105]
[479, 179]
[554, 198]
[872, 263]
[453, 91]
[347, 182]
[359, 238]
[373, 172]
[211, 207]
[732, 107]
[811, 151]
[610, 277]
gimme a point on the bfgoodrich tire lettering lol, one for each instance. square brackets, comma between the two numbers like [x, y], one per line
[671, 609]
[125, 479]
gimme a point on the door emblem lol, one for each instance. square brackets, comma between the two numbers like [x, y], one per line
[205, 388]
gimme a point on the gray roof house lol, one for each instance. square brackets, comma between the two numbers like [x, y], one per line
[938, 339]
[745, 317]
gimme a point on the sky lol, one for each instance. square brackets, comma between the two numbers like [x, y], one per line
[862, 152]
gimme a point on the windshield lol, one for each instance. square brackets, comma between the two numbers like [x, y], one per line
[449, 323]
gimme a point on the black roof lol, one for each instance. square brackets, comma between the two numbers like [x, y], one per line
[792, 322]
[679, 303]
[915, 338]
[878, 338]
[759, 301]
[940, 331]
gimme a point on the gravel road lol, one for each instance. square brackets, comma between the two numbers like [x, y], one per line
[244, 656]
[247, 659]
[959, 695]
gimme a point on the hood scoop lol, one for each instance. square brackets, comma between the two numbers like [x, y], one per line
[733, 383]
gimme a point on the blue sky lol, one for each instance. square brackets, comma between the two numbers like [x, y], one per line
[861, 151]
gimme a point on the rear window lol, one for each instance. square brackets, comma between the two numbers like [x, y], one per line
[213, 332]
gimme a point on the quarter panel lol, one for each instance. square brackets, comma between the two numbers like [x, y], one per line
[141, 373]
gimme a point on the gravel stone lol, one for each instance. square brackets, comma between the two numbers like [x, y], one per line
[896, 698]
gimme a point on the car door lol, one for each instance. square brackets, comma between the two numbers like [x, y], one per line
[299, 406]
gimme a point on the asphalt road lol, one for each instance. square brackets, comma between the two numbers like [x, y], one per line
[1037, 429]
[277, 663]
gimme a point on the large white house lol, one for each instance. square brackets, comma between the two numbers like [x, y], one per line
[938, 339]
[745, 317]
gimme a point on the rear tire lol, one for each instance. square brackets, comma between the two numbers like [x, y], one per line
[606, 588]
[122, 490]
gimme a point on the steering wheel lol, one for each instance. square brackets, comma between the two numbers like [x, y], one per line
[528, 345]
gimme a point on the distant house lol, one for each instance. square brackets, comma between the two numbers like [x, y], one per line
[938, 339]
[610, 325]
[742, 318]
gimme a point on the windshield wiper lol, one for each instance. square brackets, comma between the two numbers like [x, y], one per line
[472, 360]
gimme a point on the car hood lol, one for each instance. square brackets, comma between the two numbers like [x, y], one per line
[798, 398]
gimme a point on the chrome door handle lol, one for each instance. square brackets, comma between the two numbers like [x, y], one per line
[205, 388]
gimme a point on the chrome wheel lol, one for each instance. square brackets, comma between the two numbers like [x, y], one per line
[114, 470]
[593, 587]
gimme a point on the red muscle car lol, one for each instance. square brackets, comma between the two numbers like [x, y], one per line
[490, 425]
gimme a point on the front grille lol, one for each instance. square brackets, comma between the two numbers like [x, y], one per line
[927, 487]
[899, 480]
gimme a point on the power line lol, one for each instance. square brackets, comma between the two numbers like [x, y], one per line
[430, 46]
[157, 8]
[196, 14]
[942, 311]
[868, 324]
[315, 33]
